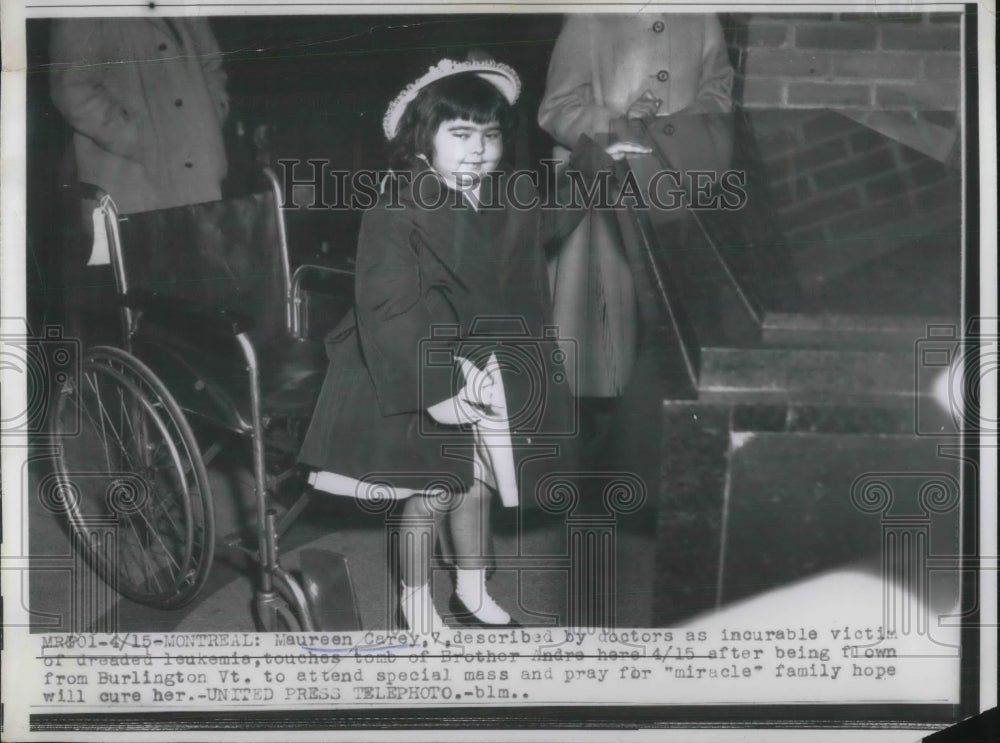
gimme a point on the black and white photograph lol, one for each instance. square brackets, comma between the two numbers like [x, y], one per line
[468, 367]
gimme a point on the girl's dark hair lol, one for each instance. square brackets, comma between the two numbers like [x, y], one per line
[464, 96]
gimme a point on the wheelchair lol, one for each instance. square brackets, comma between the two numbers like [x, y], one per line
[220, 344]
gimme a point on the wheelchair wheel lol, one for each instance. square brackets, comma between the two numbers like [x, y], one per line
[133, 481]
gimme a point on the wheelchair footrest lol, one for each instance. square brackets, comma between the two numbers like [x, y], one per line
[326, 580]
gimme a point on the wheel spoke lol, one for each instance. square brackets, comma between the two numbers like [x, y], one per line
[106, 416]
[136, 552]
[125, 418]
[151, 571]
[210, 453]
[158, 503]
[154, 533]
[156, 453]
[143, 556]
[104, 436]
[192, 490]
[121, 403]
[84, 409]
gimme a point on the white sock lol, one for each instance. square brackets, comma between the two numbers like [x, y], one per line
[417, 606]
[470, 587]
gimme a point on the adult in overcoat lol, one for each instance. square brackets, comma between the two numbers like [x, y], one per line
[146, 99]
[602, 64]
[604, 70]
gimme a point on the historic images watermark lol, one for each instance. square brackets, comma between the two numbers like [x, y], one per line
[952, 370]
[581, 561]
[919, 512]
[541, 363]
[49, 361]
[314, 184]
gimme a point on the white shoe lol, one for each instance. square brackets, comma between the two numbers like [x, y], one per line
[471, 594]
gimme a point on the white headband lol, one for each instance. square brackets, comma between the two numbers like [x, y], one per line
[499, 75]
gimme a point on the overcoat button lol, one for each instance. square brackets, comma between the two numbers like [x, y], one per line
[162, 47]
[188, 165]
[668, 129]
[662, 76]
[658, 27]
[179, 102]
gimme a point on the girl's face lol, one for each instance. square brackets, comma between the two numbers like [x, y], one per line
[465, 151]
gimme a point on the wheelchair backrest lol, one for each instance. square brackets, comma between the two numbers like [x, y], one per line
[229, 255]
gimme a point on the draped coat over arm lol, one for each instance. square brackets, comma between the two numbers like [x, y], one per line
[600, 65]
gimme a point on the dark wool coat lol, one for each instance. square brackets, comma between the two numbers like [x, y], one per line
[432, 284]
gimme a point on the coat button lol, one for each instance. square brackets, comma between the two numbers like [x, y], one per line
[162, 47]
[179, 102]
[658, 27]
[662, 76]
[668, 129]
[189, 164]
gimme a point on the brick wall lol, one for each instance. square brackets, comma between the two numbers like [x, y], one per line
[855, 61]
[845, 194]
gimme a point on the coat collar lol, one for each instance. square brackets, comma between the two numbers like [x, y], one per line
[423, 186]
[454, 230]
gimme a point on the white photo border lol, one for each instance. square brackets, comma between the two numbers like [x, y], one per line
[890, 720]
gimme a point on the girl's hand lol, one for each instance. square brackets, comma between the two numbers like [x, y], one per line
[455, 411]
[480, 384]
[620, 149]
[478, 399]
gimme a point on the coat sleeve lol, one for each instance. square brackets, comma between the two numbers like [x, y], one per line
[396, 316]
[210, 57]
[568, 108]
[715, 86]
[588, 161]
[78, 90]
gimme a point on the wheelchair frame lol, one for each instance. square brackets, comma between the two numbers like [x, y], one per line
[160, 429]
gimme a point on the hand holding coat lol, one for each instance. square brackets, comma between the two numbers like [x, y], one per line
[602, 64]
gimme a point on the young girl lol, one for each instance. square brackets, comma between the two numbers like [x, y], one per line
[443, 382]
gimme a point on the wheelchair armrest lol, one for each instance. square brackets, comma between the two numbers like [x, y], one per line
[186, 316]
[320, 272]
[324, 281]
